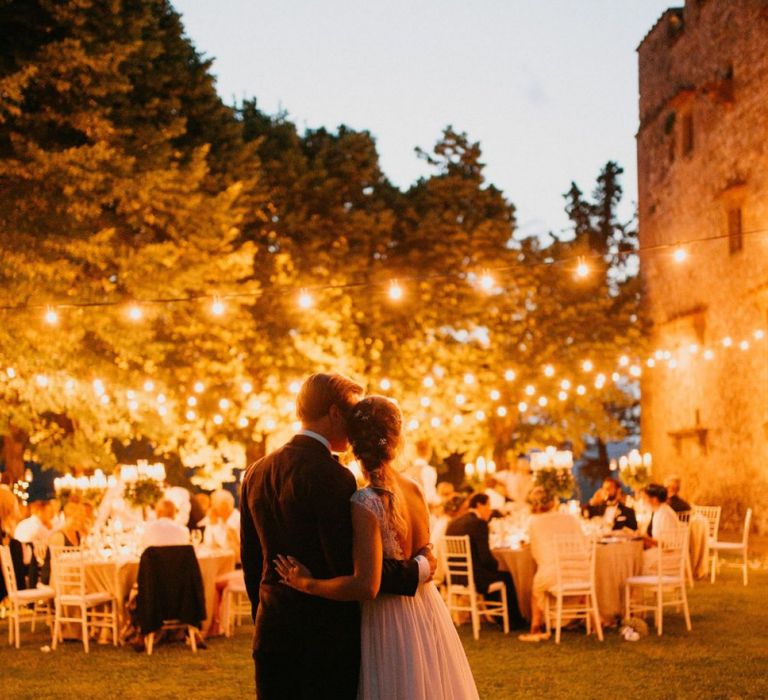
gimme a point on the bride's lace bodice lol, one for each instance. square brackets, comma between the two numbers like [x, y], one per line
[371, 501]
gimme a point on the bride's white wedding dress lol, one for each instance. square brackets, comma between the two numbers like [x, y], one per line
[410, 649]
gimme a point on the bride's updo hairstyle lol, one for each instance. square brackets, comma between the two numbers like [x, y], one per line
[375, 429]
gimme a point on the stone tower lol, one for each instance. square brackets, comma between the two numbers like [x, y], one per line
[703, 174]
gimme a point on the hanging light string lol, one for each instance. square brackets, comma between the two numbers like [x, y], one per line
[485, 280]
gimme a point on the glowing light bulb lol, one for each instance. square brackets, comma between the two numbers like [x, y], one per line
[495, 395]
[708, 354]
[162, 410]
[435, 422]
[581, 390]
[413, 424]
[104, 399]
[133, 405]
[247, 387]
[270, 424]
[582, 268]
[11, 372]
[385, 384]
[623, 361]
[530, 390]
[51, 317]
[635, 370]
[458, 419]
[480, 415]
[549, 371]
[254, 404]
[680, 255]
[223, 404]
[428, 382]
[190, 415]
[543, 401]
[130, 394]
[199, 387]
[486, 282]
[460, 400]
[522, 407]
[296, 425]
[149, 385]
[135, 313]
[218, 419]
[616, 376]
[727, 342]
[289, 407]
[587, 366]
[693, 348]
[98, 387]
[424, 401]
[242, 422]
[759, 334]
[69, 386]
[161, 398]
[599, 381]
[510, 375]
[650, 362]
[469, 378]
[501, 411]
[294, 387]
[305, 300]
[744, 345]
[217, 307]
[565, 385]
[395, 291]
[562, 396]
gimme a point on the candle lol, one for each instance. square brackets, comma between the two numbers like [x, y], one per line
[469, 470]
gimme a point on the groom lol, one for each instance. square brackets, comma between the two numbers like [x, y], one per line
[295, 501]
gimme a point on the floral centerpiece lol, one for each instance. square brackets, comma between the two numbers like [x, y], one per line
[143, 493]
[552, 471]
[635, 470]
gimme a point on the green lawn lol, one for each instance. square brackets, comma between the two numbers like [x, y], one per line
[726, 656]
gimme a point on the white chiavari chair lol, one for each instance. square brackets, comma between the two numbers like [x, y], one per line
[717, 547]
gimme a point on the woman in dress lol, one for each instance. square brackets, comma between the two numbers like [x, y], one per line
[409, 647]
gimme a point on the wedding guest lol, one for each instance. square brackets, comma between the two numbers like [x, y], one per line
[223, 528]
[445, 492]
[198, 507]
[547, 523]
[672, 483]
[518, 480]
[71, 532]
[37, 528]
[496, 492]
[164, 531]
[607, 503]
[423, 473]
[485, 567]
[663, 522]
[182, 499]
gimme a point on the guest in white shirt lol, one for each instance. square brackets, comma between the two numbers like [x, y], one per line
[547, 523]
[222, 530]
[164, 532]
[663, 522]
[38, 526]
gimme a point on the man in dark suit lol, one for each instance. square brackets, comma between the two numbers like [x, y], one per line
[296, 502]
[485, 567]
[673, 495]
[609, 496]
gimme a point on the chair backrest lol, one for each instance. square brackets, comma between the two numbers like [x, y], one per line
[457, 560]
[9, 575]
[574, 558]
[712, 516]
[673, 552]
[747, 524]
[684, 516]
[68, 570]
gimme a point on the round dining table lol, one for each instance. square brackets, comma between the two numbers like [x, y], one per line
[615, 561]
[117, 575]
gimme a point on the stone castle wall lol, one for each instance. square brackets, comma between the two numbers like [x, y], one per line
[703, 173]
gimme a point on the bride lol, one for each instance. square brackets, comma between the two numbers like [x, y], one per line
[409, 647]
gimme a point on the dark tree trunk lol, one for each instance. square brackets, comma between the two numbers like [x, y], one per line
[13, 453]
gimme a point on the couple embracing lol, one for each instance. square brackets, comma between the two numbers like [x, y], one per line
[339, 578]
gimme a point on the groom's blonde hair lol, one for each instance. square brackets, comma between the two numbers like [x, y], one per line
[321, 391]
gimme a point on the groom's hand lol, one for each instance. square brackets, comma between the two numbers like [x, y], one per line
[426, 552]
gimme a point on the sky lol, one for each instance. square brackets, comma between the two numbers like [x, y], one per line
[548, 87]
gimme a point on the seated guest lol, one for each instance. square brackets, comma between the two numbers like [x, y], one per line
[198, 507]
[496, 492]
[37, 528]
[484, 565]
[222, 530]
[73, 529]
[607, 504]
[547, 523]
[663, 522]
[164, 531]
[182, 499]
[676, 503]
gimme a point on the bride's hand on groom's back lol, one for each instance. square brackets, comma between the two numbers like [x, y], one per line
[426, 552]
[293, 573]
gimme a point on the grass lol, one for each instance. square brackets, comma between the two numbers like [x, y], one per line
[725, 656]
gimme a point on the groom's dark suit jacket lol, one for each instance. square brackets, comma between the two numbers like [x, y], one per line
[296, 501]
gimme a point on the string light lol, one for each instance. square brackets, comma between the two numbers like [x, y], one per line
[615, 376]
[727, 342]
[708, 354]
[486, 281]
[385, 385]
[190, 415]
[294, 387]
[469, 378]
[510, 375]
[98, 387]
[744, 345]
[599, 381]
[759, 334]
[435, 422]
[495, 395]
[582, 268]
[254, 404]
[460, 399]
[530, 390]
[424, 401]
[395, 291]
[428, 382]
[161, 398]
[565, 385]
[651, 362]
[10, 372]
[480, 415]
[223, 404]
[104, 399]
[680, 255]
[623, 361]
[587, 366]
[69, 386]
[218, 419]
[562, 395]
[133, 405]
[635, 371]
[247, 387]
[51, 317]
[413, 424]
[549, 371]
[199, 387]
[162, 410]
[501, 411]
[130, 394]
[270, 424]
[149, 385]
[242, 422]
[522, 407]
[693, 348]
[581, 390]
[305, 300]
[135, 313]
[458, 419]
[217, 307]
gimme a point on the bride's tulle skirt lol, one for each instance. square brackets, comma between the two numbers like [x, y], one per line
[411, 651]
